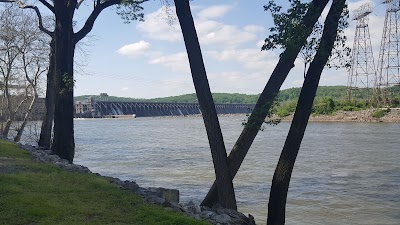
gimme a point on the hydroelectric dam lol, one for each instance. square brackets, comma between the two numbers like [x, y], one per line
[98, 109]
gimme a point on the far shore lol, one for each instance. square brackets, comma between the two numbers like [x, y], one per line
[354, 116]
[340, 116]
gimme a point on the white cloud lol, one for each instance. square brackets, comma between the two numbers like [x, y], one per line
[229, 43]
[354, 5]
[332, 76]
[221, 34]
[136, 48]
[250, 58]
[176, 62]
[260, 43]
[254, 29]
[215, 11]
[124, 89]
[160, 25]
[238, 82]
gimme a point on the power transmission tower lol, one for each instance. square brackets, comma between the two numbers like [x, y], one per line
[389, 65]
[362, 71]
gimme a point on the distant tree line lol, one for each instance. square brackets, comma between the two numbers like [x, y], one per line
[337, 93]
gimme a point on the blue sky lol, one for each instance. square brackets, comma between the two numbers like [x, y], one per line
[148, 59]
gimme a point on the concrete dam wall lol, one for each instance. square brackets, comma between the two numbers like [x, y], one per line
[145, 109]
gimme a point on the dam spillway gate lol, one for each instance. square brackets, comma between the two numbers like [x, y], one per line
[98, 109]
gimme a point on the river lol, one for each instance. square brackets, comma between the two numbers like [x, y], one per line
[345, 173]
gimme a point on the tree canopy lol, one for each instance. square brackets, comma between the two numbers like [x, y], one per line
[283, 34]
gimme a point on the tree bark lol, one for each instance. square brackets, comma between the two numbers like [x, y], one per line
[8, 97]
[2, 114]
[20, 130]
[12, 114]
[65, 41]
[7, 127]
[283, 171]
[64, 143]
[223, 176]
[47, 124]
[267, 97]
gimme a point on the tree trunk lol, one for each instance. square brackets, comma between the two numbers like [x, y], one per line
[283, 171]
[7, 127]
[223, 176]
[63, 142]
[17, 137]
[265, 101]
[7, 95]
[2, 106]
[47, 124]
[11, 116]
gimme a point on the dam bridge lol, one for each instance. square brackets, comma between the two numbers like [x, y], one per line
[97, 109]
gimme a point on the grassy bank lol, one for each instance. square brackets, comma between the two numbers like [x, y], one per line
[39, 193]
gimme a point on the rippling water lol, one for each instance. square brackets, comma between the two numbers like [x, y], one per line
[346, 173]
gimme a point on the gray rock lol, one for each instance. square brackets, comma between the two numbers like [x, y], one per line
[207, 214]
[113, 180]
[144, 192]
[168, 198]
[192, 207]
[223, 219]
[154, 199]
[174, 206]
[130, 185]
[171, 195]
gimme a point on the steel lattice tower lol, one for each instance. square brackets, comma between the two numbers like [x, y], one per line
[389, 64]
[362, 73]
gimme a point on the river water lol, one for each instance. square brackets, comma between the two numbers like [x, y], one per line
[345, 173]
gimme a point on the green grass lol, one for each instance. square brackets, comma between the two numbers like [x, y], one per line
[39, 193]
[380, 113]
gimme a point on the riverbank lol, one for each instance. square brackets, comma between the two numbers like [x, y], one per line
[40, 188]
[393, 116]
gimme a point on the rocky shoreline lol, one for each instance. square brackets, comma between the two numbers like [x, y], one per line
[393, 116]
[168, 198]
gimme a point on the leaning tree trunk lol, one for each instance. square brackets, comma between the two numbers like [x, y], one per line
[12, 115]
[63, 142]
[223, 176]
[47, 124]
[9, 120]
[20, 130]
[283, 171]
[7, 127]
[265, 101]
[2, 115]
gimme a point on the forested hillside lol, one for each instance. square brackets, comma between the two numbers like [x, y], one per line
[187, 98]
[334, 92]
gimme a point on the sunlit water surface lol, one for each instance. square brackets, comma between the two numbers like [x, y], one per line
[345, 173]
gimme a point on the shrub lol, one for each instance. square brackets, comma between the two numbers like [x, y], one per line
[323, 106]
[380, 113]
[286, 108]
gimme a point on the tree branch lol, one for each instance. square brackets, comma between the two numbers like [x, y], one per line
[39, 15]
[50, 7]
[92, 18]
